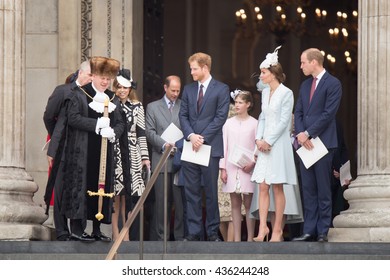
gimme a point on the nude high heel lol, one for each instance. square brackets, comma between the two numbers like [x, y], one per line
[260, 238]
[278, 238]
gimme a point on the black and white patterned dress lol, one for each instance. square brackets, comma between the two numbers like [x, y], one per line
[135, 115]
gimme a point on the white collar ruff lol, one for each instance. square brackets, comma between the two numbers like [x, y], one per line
[97, 103]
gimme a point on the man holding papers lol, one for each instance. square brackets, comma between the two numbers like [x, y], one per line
[315, 116]
[203, 112]
[163, 127]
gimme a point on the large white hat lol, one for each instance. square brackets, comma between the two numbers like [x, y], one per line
[271, 59]
[124, 78]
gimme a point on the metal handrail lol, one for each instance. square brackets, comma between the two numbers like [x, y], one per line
[140, 205]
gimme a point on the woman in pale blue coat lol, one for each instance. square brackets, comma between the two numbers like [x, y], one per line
[275, 160]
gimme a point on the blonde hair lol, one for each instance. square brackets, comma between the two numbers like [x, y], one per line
[133, 96]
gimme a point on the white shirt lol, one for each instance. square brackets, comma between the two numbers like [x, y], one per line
[319, 76]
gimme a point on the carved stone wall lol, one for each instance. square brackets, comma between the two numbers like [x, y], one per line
[368, 216]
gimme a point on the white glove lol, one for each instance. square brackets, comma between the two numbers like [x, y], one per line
[108, 133]
[102, 123]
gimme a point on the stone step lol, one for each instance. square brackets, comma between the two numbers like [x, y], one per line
[74, 250]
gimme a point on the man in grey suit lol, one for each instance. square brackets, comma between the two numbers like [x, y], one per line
[159, 115]
[203, 112]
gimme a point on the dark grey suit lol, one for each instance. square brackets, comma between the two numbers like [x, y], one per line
[52, 113]
[158, 118]
[54, 105]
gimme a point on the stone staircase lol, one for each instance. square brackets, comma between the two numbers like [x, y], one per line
[154, 250]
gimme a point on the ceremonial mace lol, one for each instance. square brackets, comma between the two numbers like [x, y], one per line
[102, 171]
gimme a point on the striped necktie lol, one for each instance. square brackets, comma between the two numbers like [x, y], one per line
[170, 107]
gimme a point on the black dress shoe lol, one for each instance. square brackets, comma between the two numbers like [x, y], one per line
[304, 237]
[192, 238]
[214, 238]
[83, 237]
[322, 238]
[64, 237]
[100, 237]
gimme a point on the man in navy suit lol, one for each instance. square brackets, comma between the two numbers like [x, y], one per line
[315, 116]
[203, 112]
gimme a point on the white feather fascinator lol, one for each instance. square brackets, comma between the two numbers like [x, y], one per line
[271, 59]
[234, 93]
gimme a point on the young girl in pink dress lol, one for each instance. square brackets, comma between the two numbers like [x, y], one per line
[238, 162]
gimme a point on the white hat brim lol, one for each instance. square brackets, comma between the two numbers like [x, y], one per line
[123, 81]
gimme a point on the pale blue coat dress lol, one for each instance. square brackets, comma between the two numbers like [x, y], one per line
[277, 166]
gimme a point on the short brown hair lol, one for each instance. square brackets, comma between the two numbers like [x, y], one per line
[314, 54]
[168, 79]
[202, 59]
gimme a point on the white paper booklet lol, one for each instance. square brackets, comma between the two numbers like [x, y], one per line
[240, 156]
[172, 133]
[345, 172]
[312, 156]
[201, 157]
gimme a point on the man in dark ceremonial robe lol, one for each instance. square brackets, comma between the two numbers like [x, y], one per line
[85, 128]
[54, 110]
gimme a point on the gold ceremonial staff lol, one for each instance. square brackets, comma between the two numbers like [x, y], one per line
[102, 171]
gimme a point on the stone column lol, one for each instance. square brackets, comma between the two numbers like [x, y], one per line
[368, 217]
[20, 218]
